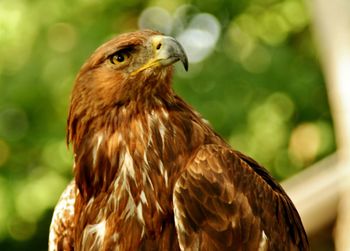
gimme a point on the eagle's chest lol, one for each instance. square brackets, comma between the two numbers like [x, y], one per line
[130, 180]
[140, 192]
[137, 205]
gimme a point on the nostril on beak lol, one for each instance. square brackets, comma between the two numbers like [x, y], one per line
[158, 46]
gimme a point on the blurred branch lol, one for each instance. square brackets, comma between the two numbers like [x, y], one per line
[331, 22]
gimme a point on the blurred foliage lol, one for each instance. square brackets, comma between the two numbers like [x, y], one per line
[262, 89]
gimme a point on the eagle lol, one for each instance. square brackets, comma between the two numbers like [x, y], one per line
[151, 174]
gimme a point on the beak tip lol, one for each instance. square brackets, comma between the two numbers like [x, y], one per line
[186, 66]
[184, 61]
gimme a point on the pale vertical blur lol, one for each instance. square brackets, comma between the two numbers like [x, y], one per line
[332, 28]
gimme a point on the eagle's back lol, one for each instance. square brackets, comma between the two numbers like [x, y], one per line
[226, 201]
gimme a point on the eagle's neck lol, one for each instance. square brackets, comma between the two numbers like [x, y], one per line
[130, 142]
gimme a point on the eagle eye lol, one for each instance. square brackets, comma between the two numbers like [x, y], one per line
[120, 56]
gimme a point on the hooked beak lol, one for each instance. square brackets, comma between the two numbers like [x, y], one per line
[166, 51]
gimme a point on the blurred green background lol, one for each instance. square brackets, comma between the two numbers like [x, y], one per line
[260, 86]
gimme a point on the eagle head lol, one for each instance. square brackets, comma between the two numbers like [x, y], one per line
[132, 67]
[129, 66]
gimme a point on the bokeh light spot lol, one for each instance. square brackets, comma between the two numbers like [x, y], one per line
[62, 37]
[274, 28]
[200, 38]
[197, 44]
[156, 18]
[258, 60]
[305, 142]
[182, 16]
[283, 104]
[295, 13]
[238, 43]
[206, 22]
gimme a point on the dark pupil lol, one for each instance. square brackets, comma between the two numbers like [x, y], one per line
[119, 57]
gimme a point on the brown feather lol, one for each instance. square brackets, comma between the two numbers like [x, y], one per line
[234, 202]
